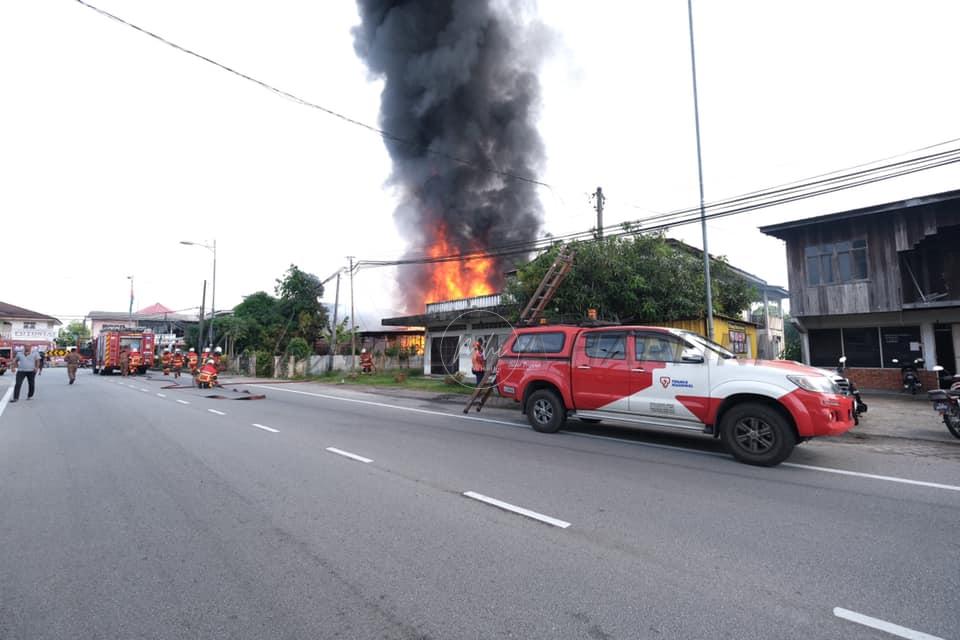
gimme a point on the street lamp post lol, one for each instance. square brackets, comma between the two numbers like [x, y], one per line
[213, 294]
[130, 311]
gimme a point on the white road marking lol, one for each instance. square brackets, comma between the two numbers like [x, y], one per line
[145, 390]
[219, 413]
[161, 395]
[882, 625]
[265, 428]
[347, 454]
[506, 506]
[918, 483]
[5, 399]
[183, 401]
[870, 476]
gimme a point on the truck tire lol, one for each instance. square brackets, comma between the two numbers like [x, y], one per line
[758, 435]
[545, 411]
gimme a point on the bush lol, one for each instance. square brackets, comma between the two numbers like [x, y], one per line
[264, 364]
[453, 380]
[299, 348]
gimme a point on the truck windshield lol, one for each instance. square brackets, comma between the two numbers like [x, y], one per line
[700, 341]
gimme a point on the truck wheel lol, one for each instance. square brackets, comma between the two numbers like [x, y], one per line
[545, 411]
[758, 435]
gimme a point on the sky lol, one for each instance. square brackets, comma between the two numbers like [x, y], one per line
[116, 147]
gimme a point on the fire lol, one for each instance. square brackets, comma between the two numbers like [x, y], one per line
[457, 279]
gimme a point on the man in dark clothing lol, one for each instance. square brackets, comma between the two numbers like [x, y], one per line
[26, 364]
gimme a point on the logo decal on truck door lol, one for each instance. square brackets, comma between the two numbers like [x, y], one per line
[665, 381]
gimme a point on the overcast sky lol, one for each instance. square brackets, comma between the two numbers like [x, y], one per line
[115, 147]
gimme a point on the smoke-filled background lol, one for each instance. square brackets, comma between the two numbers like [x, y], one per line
[460, 79]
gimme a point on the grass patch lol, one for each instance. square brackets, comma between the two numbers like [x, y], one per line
[395, 379]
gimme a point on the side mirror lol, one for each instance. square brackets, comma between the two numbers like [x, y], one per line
[843, 359]
[692, 356]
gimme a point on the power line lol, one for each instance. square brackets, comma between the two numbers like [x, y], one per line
[302, 101]
[720, 209]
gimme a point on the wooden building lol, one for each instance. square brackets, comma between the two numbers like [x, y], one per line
[878, 283]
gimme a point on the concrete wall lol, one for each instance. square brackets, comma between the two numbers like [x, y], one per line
[888, 379]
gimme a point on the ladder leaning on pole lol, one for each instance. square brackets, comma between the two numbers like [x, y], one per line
[531, 313]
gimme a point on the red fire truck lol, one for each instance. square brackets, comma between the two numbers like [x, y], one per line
[107, 347]
[6, 353]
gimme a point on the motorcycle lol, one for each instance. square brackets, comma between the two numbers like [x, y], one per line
[947, 403]
[910, 375]
[847, 388]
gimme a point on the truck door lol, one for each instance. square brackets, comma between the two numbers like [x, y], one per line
[670, 379]
[601, 373]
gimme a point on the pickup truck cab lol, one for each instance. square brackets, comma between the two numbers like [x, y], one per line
[660, 377]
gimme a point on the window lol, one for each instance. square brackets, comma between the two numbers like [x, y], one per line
[539, 343]
[607, 345]
[837, 262]
[659, 348]
[29, 325]
[861, 346]
[902, 343]
[825, 347]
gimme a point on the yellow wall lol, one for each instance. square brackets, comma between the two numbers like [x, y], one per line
[722, 328]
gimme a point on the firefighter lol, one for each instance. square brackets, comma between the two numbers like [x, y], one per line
[136, 359]
[73, 361]
[217, 354]
[192, 361]
[366, 362]
[124, 362]
[165, 360]
[177, 362]
[207, 376]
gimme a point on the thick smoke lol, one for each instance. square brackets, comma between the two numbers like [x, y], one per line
[460, 79]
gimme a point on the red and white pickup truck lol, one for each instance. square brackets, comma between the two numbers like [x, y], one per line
[671, 378]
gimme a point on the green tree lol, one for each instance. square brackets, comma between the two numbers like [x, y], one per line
[298, 348]
[259, 315]
[299, 293]
[791, 340]
[72, 333]
[642, 278]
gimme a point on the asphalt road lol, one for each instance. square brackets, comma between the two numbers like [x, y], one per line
[132, 511]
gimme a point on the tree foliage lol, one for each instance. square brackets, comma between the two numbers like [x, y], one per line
[300, 294]
[643, 278]
[73, 333]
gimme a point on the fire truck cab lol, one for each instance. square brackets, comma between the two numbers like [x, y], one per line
[112, 340]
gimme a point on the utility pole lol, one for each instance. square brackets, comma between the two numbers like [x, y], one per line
[599, 207]
[203, 304]
[130, 312]
[213, 294]
[703, 217]
[353, 322]
[333, 332]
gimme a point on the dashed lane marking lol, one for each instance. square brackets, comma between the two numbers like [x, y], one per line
[265, 428]
[882, 625]
[506, 506]
[219, 413]
[347, 454]
[183, 401]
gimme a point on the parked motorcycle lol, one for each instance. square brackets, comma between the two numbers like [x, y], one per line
[847, 388]
[947, 403]
[910, 375]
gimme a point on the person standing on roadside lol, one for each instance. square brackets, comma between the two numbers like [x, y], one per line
[478, 362]
[73, 361]
[124, 362]
[26, 364]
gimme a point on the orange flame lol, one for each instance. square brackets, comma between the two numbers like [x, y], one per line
[457, 279]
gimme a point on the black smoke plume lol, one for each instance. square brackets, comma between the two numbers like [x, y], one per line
[460, 80]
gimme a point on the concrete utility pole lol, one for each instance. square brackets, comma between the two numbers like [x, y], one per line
[130, 313]
[703, 217]
[599, 207]
[353, 322]
[333, 333]
[203, 304]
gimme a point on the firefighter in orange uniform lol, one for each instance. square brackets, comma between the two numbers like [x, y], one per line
[217, 353]
[192, 361]
[166, 359]
[207, 376]
[136, 359]
[177, 362]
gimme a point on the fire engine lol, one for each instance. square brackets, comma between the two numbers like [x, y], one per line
[108, 345]
[6, 353]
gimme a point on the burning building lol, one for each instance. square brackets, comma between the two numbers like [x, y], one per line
[459, 104]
